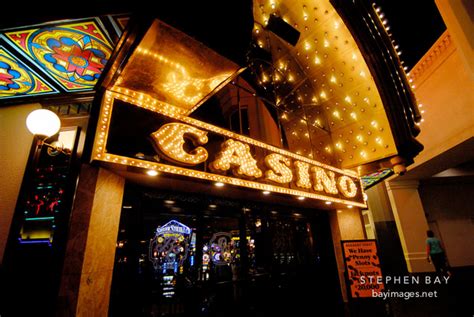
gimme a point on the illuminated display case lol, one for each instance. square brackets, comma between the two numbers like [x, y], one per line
[37, 240]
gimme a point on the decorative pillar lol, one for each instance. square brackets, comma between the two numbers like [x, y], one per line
[350, 224]
[90, 254]
[336, 240]
[346, 224]
[411, 223]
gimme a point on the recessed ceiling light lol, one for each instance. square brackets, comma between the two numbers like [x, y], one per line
[219, 184]
[266, 192]
[328, 203]
[152, 172]
[350, 206]
[212, 206]
[169, 202]
[301, 197]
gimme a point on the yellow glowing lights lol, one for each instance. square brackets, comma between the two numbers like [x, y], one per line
[219, 184]
[236, 155]
[279, 171]
[317, 60]
[302, 175]
[324, 181]
[347, 187]
[170, 140]
[152, 173]
[190, 90]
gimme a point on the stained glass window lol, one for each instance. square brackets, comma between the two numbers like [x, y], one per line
[72, 54]
[374, 178]
[17, 79]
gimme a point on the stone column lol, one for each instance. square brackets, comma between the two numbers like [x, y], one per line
[411, 223]
[90, 253]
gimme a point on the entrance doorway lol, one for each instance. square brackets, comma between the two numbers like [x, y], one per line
[181, 254]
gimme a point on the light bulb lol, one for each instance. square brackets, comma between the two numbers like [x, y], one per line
[43, 122]
[152, 173]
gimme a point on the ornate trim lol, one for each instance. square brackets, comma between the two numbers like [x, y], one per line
[442, 48]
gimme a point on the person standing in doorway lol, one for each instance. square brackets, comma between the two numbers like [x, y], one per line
[435, 252]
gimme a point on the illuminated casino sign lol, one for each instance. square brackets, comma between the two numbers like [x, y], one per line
[169, 246]
[147, 135]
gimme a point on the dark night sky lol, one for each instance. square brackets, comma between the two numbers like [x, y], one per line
[415, 26]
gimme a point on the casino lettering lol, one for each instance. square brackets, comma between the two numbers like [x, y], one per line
[235, 155]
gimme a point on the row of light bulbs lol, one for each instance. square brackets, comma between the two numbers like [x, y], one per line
[384, 21]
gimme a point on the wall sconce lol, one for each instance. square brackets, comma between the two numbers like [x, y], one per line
[44, 124]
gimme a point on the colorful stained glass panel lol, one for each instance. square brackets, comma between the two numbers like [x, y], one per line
[16, 79]
[376, 177]
[73, 54]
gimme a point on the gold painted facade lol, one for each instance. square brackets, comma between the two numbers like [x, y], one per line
[338, 106]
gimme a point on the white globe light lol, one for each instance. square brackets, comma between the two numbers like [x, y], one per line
[43, 122]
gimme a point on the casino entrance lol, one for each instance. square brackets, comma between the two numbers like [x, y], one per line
[181, 254]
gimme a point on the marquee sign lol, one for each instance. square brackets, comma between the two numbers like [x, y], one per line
[140, 132]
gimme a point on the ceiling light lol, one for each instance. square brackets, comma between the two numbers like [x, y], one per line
[152, 173]
[218, 184]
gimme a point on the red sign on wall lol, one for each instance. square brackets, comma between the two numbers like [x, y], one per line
[363, 268]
